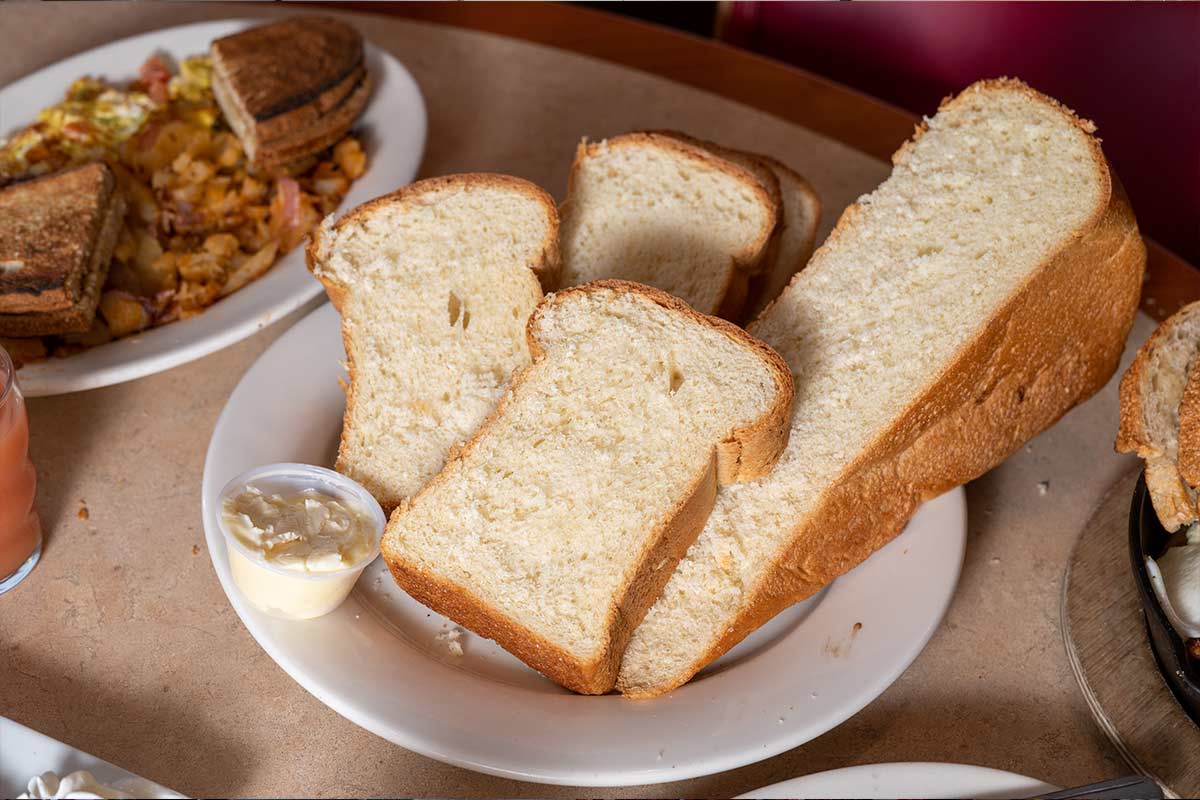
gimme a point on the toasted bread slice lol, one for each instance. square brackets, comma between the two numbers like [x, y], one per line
[57, 235]
[291, 88]
[1189, 427]
[555, 527]
[1160, 420]
[980, 292]
[434, 284]
[660, 210]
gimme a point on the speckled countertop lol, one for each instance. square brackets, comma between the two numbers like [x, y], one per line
[123, 644]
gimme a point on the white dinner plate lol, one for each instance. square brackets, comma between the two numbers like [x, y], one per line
[380, 659]
[907, 780]
[393, 134]
[25, 753]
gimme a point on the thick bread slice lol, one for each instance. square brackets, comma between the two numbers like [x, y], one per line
[794, 241]
[1156, 422]
[1189, 427]
[963, 306]
[290, 88]
[555, 527]
[56, 241]
[435, 284]
[659, 210]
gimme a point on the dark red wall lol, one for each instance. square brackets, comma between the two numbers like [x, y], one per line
[1133, 68]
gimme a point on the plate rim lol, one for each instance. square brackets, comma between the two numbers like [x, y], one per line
[788, 788]
[135, 365]
[568, 775]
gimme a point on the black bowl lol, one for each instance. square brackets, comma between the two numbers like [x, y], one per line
[1147, 537]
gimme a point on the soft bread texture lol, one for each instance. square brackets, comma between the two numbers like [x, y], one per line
[962, 307]
[291, 88]
[57, 235]
[1160, 415]
[794, 239]
[658, 209]
[434, 284]
[555, 527]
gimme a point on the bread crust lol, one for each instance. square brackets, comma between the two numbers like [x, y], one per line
[746, 453]
[50, 226]
[1173, 498]
[1055, 342]
[767, 285]
[758, 167]
[1189, 428]
[87, 286]
[752, 258]
[545, 268]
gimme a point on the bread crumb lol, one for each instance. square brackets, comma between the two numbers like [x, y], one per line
[195, 549]
[83, 512]
[451, 638]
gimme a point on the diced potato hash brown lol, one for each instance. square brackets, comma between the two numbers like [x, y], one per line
[202, 221]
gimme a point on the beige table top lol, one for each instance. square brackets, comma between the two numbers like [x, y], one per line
[122, 643]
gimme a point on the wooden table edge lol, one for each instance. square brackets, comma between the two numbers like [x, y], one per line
[848, 116]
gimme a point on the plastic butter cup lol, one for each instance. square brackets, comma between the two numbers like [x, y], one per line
[290, 593]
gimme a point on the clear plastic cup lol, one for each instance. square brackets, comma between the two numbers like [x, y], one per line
[20, 528]
[289, 593]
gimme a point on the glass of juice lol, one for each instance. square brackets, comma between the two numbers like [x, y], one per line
[20, 528]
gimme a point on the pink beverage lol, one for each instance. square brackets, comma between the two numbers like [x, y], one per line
[20, 528]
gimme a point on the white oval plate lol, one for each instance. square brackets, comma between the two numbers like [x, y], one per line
[378, 659]
[393, 128]
[906, 780]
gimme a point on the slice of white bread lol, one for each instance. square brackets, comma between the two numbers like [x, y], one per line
[1160, 415]
[963, 306]
[653, 208]
[554, 528]
[795, 238]
[434, 284]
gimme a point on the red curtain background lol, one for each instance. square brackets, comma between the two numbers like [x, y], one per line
[1133, 68]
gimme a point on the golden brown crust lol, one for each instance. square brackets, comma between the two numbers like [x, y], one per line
[1055, 342]
[747, 453]
[596, 676]
[767, 285]
[751, 259]
[545, 268]
[1189, 428]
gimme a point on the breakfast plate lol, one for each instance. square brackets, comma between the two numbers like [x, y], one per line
[393, 134]
[906, 780]
[25, 753]
[392, 666]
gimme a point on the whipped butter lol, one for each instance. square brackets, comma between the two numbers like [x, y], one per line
[75, 786]
[298, 537]
[305, 530]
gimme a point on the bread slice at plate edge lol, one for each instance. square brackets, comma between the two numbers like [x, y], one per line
[745, 453]
[1054, 341]
[1172, 494]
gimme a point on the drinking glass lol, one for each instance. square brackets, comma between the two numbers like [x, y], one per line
[20, 528]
